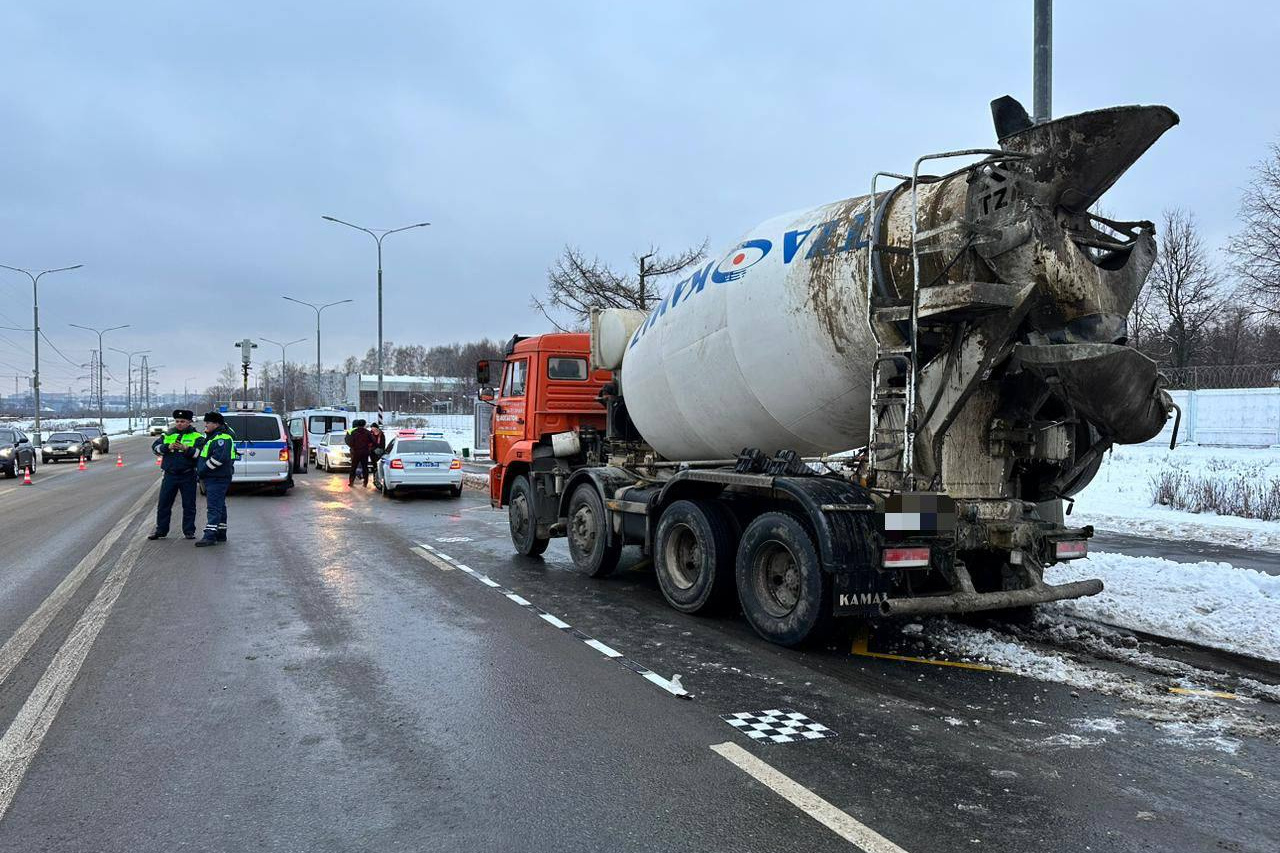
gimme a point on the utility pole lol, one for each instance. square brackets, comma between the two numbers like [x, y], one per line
[378, 234]
[318, 309]
[247, 346]
[102, 424]
[284, 408]
[1042, 65]
[128, 392]
[642, 300]
[144, 387]
[35, 315]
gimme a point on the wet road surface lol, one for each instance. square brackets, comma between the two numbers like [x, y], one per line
[332, 680]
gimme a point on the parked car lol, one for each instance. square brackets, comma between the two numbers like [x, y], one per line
[415, 461]
[101, 443]
[16, 452]
[66, 445]
[332, 453]
[157, 426]
[263, 454]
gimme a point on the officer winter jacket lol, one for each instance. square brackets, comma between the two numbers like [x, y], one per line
[177, 451]
[216, 459]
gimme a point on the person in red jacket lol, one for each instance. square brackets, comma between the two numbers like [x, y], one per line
[361, 442]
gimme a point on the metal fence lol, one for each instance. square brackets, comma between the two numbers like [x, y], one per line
[1222, 376]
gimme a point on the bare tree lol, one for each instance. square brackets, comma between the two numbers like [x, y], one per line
[1186, 288]
[575, 284]
[1255, 251]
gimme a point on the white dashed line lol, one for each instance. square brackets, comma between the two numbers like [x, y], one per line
[861, 836]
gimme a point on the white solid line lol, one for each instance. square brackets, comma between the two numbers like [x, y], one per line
[486, 580]
[554, 620]
[523, 602]
[27, 731]
[433, 560]
[857, 834]
[17, 646]
[603, 649]
[666, 684]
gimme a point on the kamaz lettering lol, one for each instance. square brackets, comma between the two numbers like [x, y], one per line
[820, 238]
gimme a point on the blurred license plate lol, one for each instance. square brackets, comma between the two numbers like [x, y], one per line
[426, 465]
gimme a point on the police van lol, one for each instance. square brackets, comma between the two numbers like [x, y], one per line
[311, 425]
[264, 456]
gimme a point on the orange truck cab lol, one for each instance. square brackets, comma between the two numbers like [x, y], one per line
[547, 395]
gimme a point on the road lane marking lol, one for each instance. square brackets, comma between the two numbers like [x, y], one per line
[432, 559]
[671, 685]
[859, 835]
[1215, 694]
[17, 646]
[27, 731]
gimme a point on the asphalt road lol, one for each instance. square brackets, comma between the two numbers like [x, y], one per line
[324, 682]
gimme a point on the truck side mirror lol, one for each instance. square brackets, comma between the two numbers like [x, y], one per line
[482, 373]
[485, 394]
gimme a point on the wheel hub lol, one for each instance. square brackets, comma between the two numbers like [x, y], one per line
[777, 578]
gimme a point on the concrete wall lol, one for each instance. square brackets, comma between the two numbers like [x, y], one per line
[1227, 417]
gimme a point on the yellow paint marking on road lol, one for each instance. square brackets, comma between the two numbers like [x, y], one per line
[1215, 694]
[860, 649]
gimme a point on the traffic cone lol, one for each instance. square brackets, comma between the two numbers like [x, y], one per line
[119, 460]
[26, 476]
[82, 463]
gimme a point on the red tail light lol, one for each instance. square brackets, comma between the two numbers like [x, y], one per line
[905, 558]
[1071, 550]
[284, 455]
[455, 465]
[397, 464]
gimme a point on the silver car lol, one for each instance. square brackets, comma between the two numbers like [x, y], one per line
[332, 453]
[417, 462]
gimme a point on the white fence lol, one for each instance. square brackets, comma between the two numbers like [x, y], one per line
[1226, 417]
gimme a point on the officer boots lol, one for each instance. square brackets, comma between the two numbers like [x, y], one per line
[156, 534]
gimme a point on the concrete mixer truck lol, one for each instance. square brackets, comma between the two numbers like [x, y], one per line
[874, 407]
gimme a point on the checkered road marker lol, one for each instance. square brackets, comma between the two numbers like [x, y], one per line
[778, 725]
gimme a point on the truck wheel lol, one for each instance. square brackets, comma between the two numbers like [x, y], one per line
[523, 521]
[693, 555]
[784, 592]
[593, 554]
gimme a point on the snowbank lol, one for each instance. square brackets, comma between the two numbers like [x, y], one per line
[1209, 604]
[1119, 498]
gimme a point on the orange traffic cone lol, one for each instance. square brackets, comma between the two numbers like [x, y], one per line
[119, 460]
[82, 463]
[26, 476]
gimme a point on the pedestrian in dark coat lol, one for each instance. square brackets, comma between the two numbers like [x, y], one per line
[360, 440]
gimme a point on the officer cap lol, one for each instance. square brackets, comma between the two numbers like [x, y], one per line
[214, 418]
[183, 414]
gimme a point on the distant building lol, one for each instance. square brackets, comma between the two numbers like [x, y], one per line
[406, 393]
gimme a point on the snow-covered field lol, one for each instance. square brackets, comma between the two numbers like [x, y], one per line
[114, 426]
[1119, 498]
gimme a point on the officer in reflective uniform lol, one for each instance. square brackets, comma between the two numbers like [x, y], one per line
[177, 452]
[215, 463]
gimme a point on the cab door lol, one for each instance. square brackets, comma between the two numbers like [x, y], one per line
[509, 410]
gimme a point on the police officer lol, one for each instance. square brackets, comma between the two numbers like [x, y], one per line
[215, 463]
[177, 452]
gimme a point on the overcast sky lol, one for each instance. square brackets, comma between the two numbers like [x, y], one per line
[184, 152]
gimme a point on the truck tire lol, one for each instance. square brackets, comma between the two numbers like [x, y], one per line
[522, 520]
[785, 594]
[588, 531]
[693, 555]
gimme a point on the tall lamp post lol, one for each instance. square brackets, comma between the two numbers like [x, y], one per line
[128, 386]
[186, 395]
[378, 234]
[284, 407]
[102, 425]
[317, 309]
[35, 314]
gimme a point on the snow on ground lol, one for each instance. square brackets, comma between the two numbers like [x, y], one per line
[1208, 604]
[1119, 498]
[114, 426]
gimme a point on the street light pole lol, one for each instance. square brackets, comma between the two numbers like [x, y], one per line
[284, 408]
[317, 309]
[128, 386]
[102, 425]
[35, 314]
[378, 234]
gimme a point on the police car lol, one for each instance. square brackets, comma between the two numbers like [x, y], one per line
[332, 452]
[263, 449]
[415, 459]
